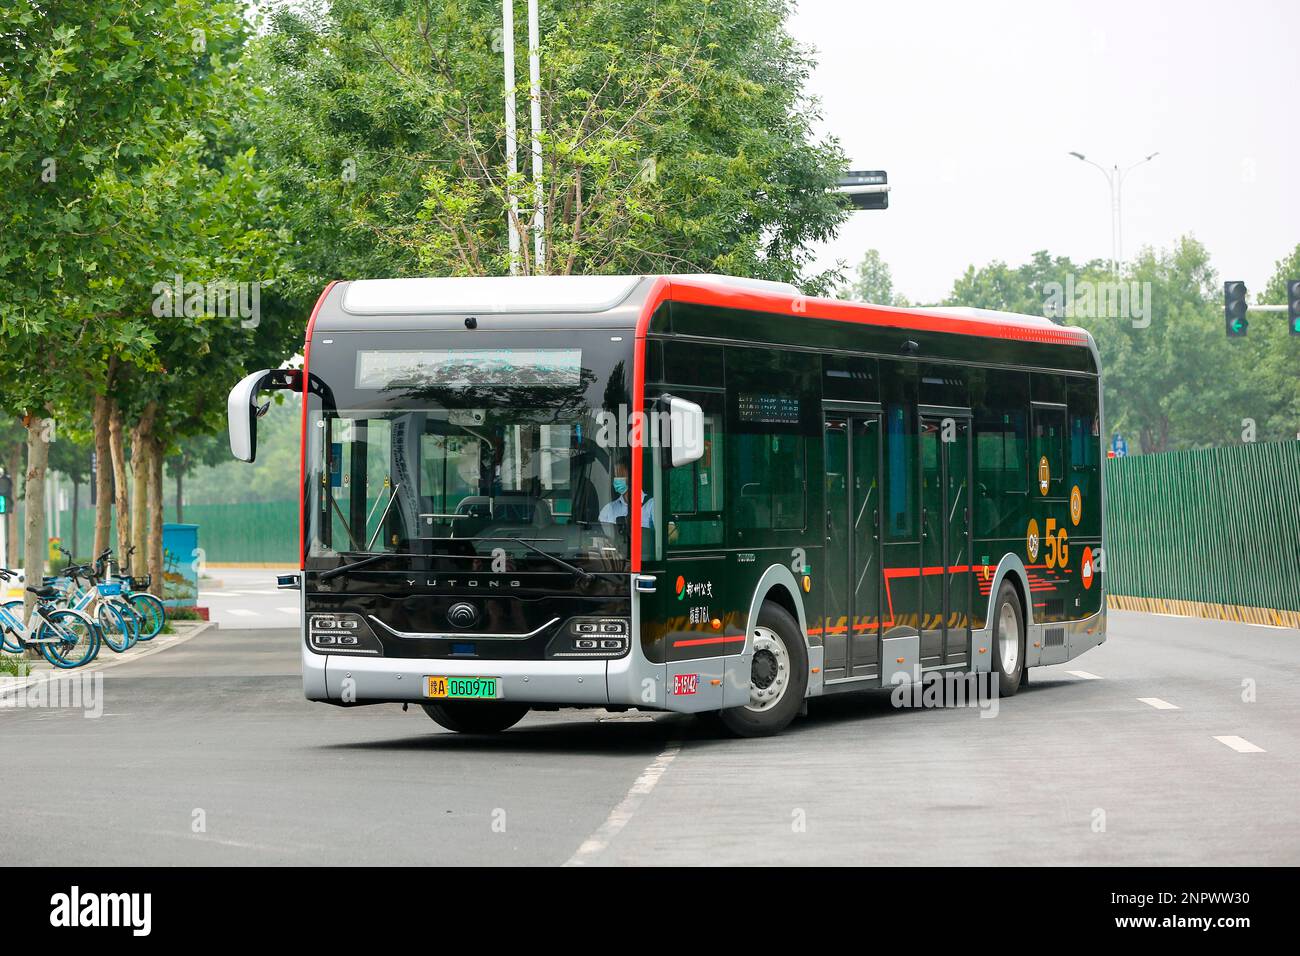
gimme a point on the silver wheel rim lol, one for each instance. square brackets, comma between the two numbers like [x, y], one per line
[769, 675]
[1008, 639]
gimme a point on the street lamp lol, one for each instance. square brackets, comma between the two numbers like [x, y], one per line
[1115, 180]
[512, 137]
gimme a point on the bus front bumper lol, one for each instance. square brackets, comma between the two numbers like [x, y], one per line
[628, 681]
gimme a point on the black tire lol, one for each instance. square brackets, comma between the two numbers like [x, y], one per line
[474, 717]
[772, 716]
[1008, 610]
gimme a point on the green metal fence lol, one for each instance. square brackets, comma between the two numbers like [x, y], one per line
[1219, 525]
[262, 532]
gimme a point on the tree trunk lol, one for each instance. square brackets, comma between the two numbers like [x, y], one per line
[155, 549]
[180, 489]
[76, 504]
[13, 465]
[103, 477]
[141, 450]
[122, 500]
[34, 546]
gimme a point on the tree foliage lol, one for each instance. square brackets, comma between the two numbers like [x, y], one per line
[1172, 378]
[677, 137]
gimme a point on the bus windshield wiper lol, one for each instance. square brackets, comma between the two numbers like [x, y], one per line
[583, 574]
[344, 568]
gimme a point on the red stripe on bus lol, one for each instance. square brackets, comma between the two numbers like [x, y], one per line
[701, 292]
[695, 642]
[658, 292]
[302, 451]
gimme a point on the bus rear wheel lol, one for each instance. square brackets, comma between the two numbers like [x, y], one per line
[1008, 640]
[778, 677]
[473, 717]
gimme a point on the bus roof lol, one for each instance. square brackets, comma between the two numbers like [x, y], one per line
[627, 300]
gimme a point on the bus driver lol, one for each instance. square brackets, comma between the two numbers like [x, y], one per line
[618, 507]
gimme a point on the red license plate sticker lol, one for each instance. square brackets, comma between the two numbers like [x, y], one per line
[686, 683]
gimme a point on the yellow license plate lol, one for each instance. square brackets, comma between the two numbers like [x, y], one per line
[463, 688]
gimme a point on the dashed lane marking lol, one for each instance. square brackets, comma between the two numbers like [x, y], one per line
[1158, 704]
[621, 814]
[239, 612]
[1240, 745]
[1083, 675]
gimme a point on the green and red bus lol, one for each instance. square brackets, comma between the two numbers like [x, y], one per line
[682, 493]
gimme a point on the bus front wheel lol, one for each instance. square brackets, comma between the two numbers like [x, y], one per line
[1008, 640]
[474, 717]
[778, 677]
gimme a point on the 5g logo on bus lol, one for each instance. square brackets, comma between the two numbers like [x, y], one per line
[1058, 549]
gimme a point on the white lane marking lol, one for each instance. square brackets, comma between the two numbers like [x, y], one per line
[1276, 627]
[621, 814]
[1158, 704]
[1083, 675]
[288, 610]
[1240, 745]
[260, 592]
[239, 612]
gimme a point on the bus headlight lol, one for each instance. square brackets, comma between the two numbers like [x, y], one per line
[591, 637]
[341, 633]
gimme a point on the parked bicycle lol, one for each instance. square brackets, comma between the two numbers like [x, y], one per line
[119, 625]
[148, 606]
[66, 638]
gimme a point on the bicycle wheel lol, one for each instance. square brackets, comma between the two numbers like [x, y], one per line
[132, 618]
[152, 615]
[114, 628]
[77, 638]
[8, 640]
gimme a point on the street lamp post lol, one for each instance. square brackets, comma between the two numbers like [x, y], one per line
[512, 155]
[1115, 180]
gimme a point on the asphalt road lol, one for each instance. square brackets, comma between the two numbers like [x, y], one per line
[247, 598]
[207, 753]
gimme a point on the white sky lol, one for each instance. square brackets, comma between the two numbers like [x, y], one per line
[971, 107]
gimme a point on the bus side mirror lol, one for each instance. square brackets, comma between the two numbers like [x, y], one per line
[686, 428]
[242, 411]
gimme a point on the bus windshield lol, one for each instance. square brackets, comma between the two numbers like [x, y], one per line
[487, 458]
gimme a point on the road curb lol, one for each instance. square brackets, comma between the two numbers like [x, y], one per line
[146, 650]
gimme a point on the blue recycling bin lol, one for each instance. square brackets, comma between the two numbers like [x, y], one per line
[181, 560]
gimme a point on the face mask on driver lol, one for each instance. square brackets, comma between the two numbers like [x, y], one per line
[620, 486]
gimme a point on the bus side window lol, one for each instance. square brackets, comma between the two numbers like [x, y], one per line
[1001, 448]
[900, 472]
[1049, 443]
[1085, 452]
[696, 491]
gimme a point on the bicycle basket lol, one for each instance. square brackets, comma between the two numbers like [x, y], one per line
[111, 589]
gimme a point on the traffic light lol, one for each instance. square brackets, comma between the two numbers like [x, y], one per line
[1234, 308]
[1293, 305]
[6, 492]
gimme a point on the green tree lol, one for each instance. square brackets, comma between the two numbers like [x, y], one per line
[1172, 379]
[122, 168]
[677, 138]
[1274, 356]
[873, 283]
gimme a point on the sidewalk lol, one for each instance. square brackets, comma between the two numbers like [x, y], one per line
[42, 670]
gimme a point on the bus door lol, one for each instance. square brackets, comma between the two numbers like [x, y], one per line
[851, 624]
[945, 537]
